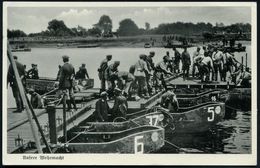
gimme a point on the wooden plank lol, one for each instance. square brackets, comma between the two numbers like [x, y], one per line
[73, 119]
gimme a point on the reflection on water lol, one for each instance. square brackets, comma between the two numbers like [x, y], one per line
[233, 135]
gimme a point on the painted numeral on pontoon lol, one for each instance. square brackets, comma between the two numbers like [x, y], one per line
[213, 98]
[139, 146]
[211, 111]
[153, 120]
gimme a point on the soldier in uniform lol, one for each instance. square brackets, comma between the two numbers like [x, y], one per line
[205, 66]
[67, 75]
[120, 105]
[169, 100]
[125, 80]
[217, 58]
[36, 100]
[160, 72]
[110, 76]
[177, 59]
[102, 70]
[185, 58]
[13, 84]
[33, 72]
[82, 73]
[102, 108]
[141, 70]
[195, 64]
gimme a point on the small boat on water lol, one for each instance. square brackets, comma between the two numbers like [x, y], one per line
[169, 45]
[142, 139]
[21, 48]
[88, 46]
[44, 85]
[198, 118]
[147, 45]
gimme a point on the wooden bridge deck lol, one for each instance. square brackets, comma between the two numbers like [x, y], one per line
[17, 123]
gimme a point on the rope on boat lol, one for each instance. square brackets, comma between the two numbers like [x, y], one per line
[79, 134]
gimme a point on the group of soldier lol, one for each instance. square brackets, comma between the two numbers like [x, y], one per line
[144, 79]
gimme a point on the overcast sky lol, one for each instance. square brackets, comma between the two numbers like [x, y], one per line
[36, 19]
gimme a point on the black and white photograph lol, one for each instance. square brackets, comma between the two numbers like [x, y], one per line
[129, 83]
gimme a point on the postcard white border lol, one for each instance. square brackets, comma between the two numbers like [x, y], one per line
[132, 159]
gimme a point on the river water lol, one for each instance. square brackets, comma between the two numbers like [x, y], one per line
[230, 136]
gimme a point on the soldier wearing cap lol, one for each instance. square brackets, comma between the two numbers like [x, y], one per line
[169, 100]
[120, 105]
[141, 70]
[67, 75]
[160, 72]
[102, 108]
[110, 76]
[33, 72]
[102, 70]
[36, 100]
[13, 84]
[186, 62]
[82, 73]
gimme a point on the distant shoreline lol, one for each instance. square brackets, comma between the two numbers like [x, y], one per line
[126, 41]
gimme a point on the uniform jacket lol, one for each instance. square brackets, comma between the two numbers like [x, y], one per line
[102, 69]
[110, 71]
[11, 77]
[141, 68]
[102, 110]
[185, 57]
[67, 74]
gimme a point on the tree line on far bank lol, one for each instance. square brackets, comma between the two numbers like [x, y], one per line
[127, 27]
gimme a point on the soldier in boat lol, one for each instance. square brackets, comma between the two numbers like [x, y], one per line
[245, 78]
[102, 108]
[110, 76]
[13, 84]
[124, 82]
[177, 59]
[195, 64]
[160, 72]
[102, 70]
[120, 107]
[82, 73]
[186, 62]
[67, 76]
[36, 100]
[141, 70]
[33, 72]
[169, 100]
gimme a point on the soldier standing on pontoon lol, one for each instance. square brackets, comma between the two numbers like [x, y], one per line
[102, 70]
[67, 75]
[186, 62]
[13, 84]
[160, 72]
[140, 75]
[110, 76]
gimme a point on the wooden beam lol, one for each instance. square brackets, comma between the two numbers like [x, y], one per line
[23, 96]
